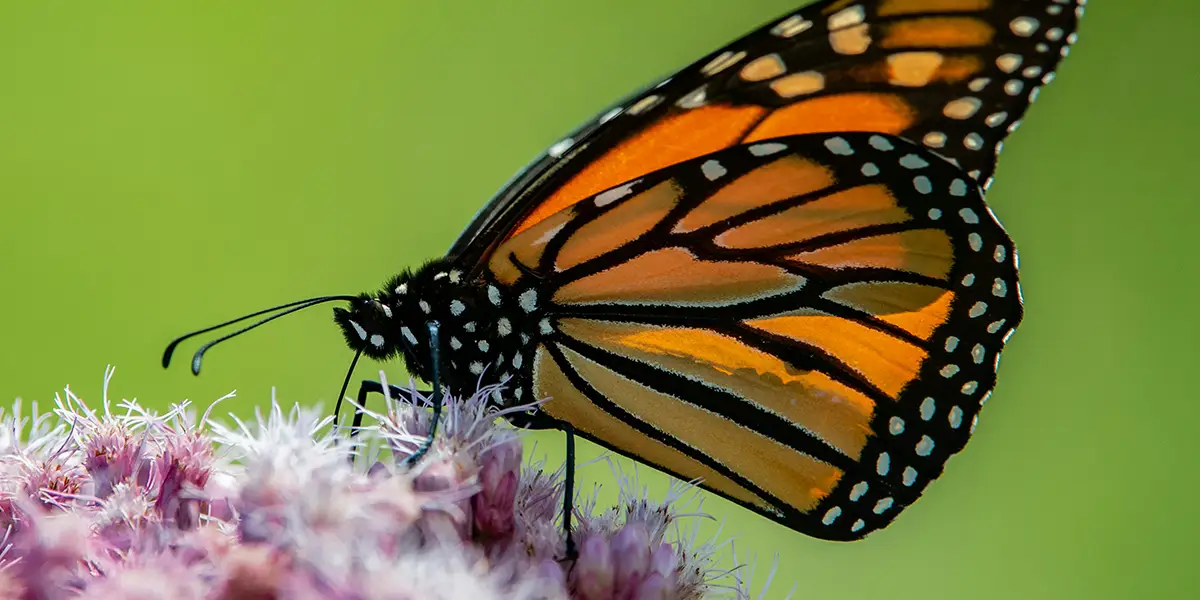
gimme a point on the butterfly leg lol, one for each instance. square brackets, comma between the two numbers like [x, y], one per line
[368, 387]
[569, 493]
[435, 361]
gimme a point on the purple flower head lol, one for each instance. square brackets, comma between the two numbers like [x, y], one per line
[495, 503]
[111, 446]
[47, 552]
[138, 505]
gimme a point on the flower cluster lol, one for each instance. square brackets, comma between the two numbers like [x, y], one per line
[120, 502]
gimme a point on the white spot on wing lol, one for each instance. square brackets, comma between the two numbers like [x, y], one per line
[839, 146]
[767, 149]
[608, 197]
[713, 169]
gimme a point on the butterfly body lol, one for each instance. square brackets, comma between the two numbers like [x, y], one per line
[488, 329]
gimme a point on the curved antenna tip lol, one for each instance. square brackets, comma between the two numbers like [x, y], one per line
[167, 354]
[196, 363]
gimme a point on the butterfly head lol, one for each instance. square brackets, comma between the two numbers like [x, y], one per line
[394, 320]
[369, 326]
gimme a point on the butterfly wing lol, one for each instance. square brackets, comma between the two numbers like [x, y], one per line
[809, 324]
[953, 75]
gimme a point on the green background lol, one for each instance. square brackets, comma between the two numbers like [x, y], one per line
[164, 166]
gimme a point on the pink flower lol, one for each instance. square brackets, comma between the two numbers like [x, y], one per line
[138, 505]
[495, 503]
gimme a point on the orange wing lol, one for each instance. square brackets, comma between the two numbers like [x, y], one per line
[953, 75]
[809, 324]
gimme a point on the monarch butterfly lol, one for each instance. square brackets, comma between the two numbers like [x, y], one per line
[773, 271]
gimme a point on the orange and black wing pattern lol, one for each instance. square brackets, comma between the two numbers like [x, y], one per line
[955, 76]
[807, 324]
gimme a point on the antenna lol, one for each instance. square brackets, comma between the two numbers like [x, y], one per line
[281, 310]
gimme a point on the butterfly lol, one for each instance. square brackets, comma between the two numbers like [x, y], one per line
[773, 272]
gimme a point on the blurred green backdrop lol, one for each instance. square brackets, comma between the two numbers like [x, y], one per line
[164, 166]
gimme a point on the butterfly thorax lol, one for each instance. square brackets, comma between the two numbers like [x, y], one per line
[486, 330]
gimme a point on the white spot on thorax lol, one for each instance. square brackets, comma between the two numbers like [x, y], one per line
[377, 340]
[408, 335]
[457, 307]
[362, 333]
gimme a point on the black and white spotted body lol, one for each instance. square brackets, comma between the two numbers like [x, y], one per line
[487, 330]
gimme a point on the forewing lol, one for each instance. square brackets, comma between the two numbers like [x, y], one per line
[953, 75]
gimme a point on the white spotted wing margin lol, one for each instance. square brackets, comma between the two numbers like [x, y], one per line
[886, 298]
